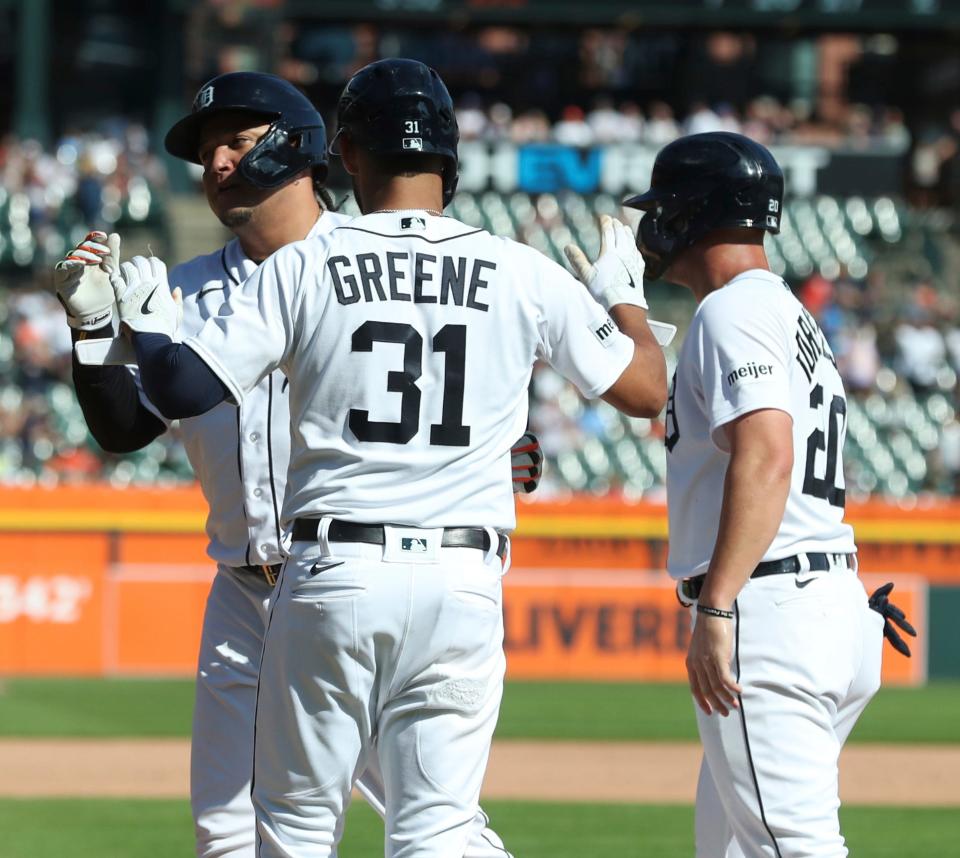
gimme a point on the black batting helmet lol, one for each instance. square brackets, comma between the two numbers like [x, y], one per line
[401, 107]
[296, 140]
[701, 183]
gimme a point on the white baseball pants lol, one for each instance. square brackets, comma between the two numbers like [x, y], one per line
[808, 658]
[373, 655]
[223, 722]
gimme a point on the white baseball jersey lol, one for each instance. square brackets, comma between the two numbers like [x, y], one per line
[752, 345]
[239, 456]
[409, 341]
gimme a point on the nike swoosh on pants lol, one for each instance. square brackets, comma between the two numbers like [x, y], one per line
[317, 568]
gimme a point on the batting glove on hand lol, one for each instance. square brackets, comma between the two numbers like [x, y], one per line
[144, 299]
[891, 614]
[82, 281]
[526, 459]
[617, 275]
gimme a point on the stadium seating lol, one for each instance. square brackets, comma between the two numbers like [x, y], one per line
[892, 440]
[31, 237]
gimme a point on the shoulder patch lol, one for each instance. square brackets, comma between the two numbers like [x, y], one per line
[748, 373]
[603, 329]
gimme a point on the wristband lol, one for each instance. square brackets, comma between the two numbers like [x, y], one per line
[714, 612]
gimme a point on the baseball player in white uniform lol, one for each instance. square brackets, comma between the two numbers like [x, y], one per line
[239, 455]
[785, 651]
[408, 339]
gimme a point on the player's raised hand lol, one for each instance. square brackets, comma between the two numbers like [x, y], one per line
[144, 299]
[708, 665]
[82, 281]
[617, 275]
[526, 459]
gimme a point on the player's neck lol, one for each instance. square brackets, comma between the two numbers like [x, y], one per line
[273, 227]
[422, 192]
[717, 265]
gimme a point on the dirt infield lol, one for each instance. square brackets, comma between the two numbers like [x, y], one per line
[546, 771]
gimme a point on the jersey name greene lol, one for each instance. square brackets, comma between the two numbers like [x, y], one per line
[444, 280]
[409, 353]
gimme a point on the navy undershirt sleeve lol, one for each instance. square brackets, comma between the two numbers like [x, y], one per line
[175, 378]
[111, 404]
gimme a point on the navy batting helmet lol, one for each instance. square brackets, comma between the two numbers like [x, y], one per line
[295, 141]
[702, 183]
[401, 107]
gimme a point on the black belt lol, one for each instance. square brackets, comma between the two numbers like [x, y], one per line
[305, 529]
[818, 562]
[262, 570]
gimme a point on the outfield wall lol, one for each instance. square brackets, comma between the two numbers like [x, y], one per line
[98, 581]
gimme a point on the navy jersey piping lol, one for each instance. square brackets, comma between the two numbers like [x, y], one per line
[256, 697]
[273, 485]
[223, 263]
[746, 738]
[412, 235]
[243, 494]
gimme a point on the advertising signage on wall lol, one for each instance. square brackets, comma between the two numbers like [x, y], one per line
[621, 170]
[98, 581]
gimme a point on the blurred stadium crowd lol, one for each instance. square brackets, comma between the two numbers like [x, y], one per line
[877, 271]
[764, 119]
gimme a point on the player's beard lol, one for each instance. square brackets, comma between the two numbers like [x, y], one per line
[233, 218]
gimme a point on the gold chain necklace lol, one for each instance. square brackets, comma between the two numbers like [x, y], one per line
[398, 211]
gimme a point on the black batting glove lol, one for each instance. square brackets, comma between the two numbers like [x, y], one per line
[891, 614]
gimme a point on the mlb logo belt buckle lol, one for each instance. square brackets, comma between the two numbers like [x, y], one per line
[411, 545]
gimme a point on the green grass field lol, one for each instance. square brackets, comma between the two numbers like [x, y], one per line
[87, 828]
[147, 829]
[547, 710]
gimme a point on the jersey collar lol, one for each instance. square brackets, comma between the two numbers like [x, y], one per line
[757, 274]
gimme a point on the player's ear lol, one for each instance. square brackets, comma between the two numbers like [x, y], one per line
[349, 155]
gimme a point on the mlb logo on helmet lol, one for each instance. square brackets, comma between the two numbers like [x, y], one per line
[204, 98]
[413, 143]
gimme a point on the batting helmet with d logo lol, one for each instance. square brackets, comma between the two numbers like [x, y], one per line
[295, 141]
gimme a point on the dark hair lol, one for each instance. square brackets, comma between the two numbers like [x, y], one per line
[324, 197]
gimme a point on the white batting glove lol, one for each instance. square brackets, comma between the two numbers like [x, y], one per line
[144, 299]
[617, 275]
[82, 281]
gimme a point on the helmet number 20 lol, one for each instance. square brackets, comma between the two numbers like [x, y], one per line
[452, 341]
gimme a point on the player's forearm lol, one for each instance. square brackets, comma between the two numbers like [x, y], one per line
[754, 499]
[111, 405]
[641, 391]
[174, 377]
